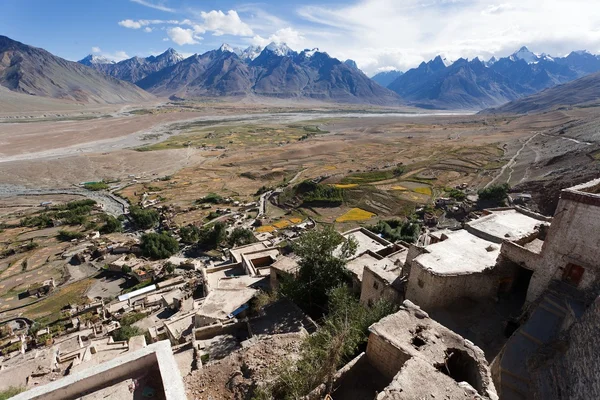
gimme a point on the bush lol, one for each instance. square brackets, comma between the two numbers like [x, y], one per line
[131, 318]
[159, 245]
[240, 237]
[456, 194]
[189, 234]
[32, 246]
[395, 230]
[126, 332]
[111, 225]
[495, 193]
[95, 186]
[211, 198]
[125, 269]
[315, 193]
[144, 219]
[67, 236]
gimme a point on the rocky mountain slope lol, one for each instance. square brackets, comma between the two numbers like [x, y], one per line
[136, 68]
[386, 77]
[583, 92]
[476, 84]
[30, 70]
[277, 71]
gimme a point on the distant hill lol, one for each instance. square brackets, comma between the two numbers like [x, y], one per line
[386, 77]
[476, 84]
[133, 69]
[276, 71]
[33, 71]
[583, 91]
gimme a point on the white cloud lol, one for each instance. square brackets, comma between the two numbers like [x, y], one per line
[220, 23]
[383, 33]
[96, 49]
[183, 36]
[128, 23]
[289, 36]
[156, 6]
[147, 29]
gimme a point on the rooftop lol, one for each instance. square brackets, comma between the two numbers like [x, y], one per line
[505, 224]
[462, 253]
[286, 264]
[358, 265]
[237, 252]
[366, 240]
[221, 302]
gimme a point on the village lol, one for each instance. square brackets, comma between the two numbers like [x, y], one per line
[472, 300]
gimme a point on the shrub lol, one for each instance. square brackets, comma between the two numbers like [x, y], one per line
[456, 194]
[125, 269]
[144, 219]
[189, 234]
[95, 186]
[395, 230]
[240, 237]
[111, 225]
[495, 193]
[131, 318]
[126, 332]
[67, 236]
[211, 198]
[159, 245]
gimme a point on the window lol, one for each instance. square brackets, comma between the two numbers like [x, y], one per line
[573, 274]
[375, 285]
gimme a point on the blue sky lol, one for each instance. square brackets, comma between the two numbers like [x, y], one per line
[377, 34]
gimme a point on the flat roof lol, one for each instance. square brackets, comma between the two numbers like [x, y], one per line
[506, 224]
[286, 264]
[462, 253]
[366, 240]
[237, 252]
[221, 302]
[357, 266]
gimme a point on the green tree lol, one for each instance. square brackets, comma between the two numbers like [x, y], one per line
[126, 332]
[395, 230]
[111, 225]
[125, 269]
[323, 254]
[159, 245]
[189, 234]
[144, 218]
[240, 237]
[340, 337]
[495, 193]
[212, 236]
[169, 267]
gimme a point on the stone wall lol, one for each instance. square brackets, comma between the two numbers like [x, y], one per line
[374, 288]
[573, 372]
[573, 238]
[429, 290]
[385, 357]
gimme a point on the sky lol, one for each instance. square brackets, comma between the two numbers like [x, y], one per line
[379, 35]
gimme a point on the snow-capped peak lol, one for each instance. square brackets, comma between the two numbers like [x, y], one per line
[172, 55]
[308, 53]
[251, 52]
[93, 59]
[447, 62]
[279, 49]
[525, 55]
[225, 48]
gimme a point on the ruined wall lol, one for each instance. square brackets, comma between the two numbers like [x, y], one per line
[573, 374]
[384, 356]
[520, 255]
[375, 288]
[572, 238]
[429, 290]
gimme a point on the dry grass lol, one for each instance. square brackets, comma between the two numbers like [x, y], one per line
[265, 228]
[71, 294]
[398, 187]
[355, 214]
[295, 220]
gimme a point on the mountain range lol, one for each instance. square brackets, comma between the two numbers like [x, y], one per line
[386, 77]
[33, 71]
[477, 84]
[581, 92]
[273, 71]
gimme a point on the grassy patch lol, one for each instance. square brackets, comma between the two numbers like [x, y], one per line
[345, 186]
[265, 228]
[10, 392]
[71, 294]
[95, 186]
[355, 214]
[426, 190]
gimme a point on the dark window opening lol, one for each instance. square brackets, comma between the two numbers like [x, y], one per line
[418, 341]
[375, 285]
[461, 367]
[573, 274]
